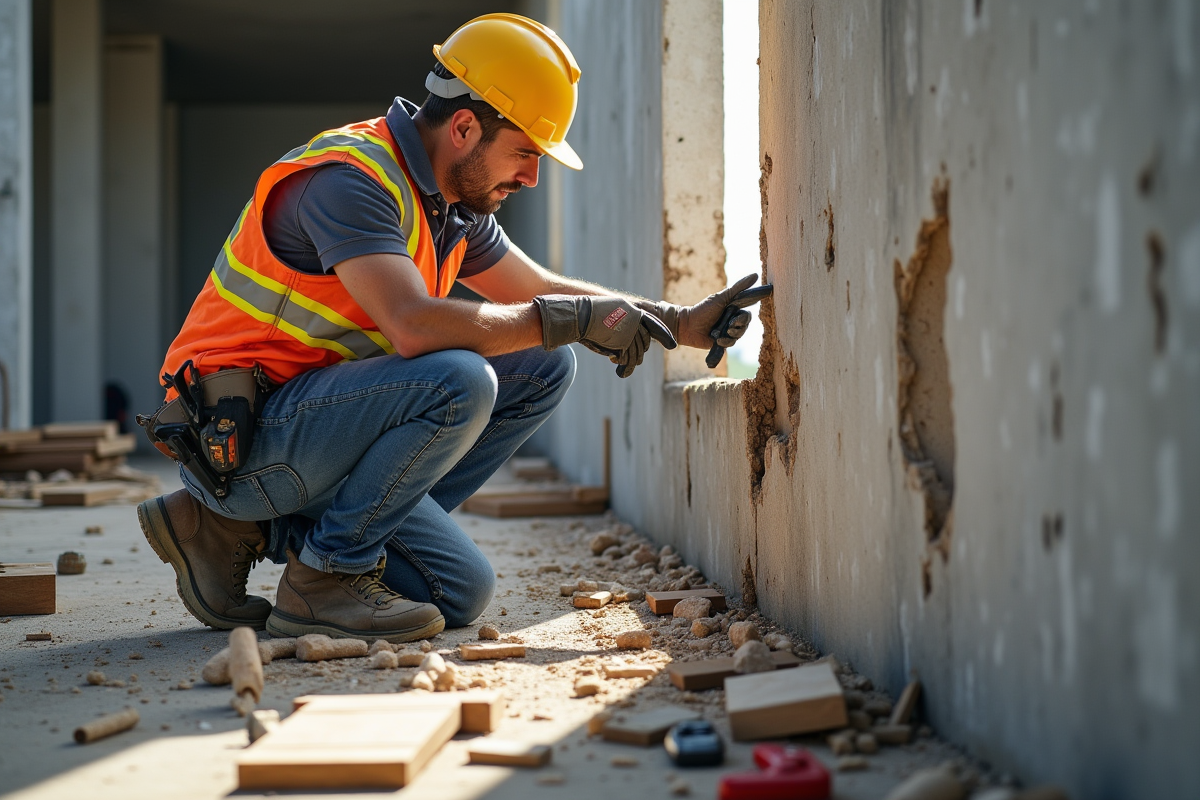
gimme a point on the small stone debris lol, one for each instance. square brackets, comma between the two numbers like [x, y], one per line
[892, 734]
[866, 743]
[96, 678]
[545, 568]
[633, 640]
[841, 744]
[409, 658]
[383, 659]
[503, 611]
[71, 563]
[859, 720]
[852, 764]
[115, 684]
[183, 686]
[318, 647]
[94, 530]
[753, 656]
[613, 671]
[551, 779]
[854, 699]
[379, 645]
[679, 787]
[488, 632]
[588, 686]
[705, 627]
[135, 656]
[422, 681]
[602, 541]
[624, 762]
[107, 562]
[938, 783]
[39, 637]
[433, 662]
[742, 632]
[76, 690]
[692, 608]
[777, 641]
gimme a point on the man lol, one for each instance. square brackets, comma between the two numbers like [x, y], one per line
[392, 403]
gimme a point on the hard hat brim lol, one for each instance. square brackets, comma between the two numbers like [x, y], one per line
[561, 152]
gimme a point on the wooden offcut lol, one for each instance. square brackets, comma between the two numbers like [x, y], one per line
[665, 602]
[554, 503]
[488, 650]
[27, 589]
[117, 445]
[324, 747]
[482, 709]
[92, 429]
[645, 727]
[74, 461]
[710, 673]
[532, 469]
[82, 494]
[9, 439]
[592, 599]
[508, 753]
[768, 705]
[903, 710]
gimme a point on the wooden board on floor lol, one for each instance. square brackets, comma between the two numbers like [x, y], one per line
[10, 439]
[98, 429]
[339, 749]
[532, 469]
[558, 503]
[482, 709]
[73, 461]
[81, 494]
[664, 602]
[903, 710]
[103, 448]
[27, 589]
[711, 673]
[645, 727]
[787, 702]
[508, 753]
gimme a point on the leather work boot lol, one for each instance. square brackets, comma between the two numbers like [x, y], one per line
[343, 605]
[212, 557]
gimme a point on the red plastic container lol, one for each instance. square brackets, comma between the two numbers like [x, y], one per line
[787, 773]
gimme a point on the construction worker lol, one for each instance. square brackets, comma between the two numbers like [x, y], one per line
[377, 403]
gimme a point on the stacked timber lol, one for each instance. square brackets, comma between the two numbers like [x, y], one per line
[82, 448]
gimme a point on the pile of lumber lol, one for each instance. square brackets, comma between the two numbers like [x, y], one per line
[82, 448]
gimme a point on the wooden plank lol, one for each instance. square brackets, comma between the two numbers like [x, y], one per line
[85, 494]
[507, 753]
[769, 705]
[711, 673]
[103, 448]
[27, 589]
[645, 727]
[348, 749]
[487, 650]
[903, 710]
[99, 429]
[664, 602]
[630, 671]
[74, 461]
[482, 709]
[541, 504]
[516, 489]
[591, 599]
[532, 469]
[24, 436]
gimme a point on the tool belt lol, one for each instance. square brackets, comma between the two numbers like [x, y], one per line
[209, 427]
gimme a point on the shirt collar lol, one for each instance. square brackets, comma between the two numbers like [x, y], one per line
[404, 130]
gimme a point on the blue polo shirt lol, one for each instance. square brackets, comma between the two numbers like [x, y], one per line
[317, 218]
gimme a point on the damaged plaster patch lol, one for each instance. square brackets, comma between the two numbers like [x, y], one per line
[924, 398]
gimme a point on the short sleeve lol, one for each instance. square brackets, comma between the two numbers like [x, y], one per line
[486, 244]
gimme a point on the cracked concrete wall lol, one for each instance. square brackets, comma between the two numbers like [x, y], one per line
[968, 449]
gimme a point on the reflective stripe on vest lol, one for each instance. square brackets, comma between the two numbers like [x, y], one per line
[301, 317]
[378, 156]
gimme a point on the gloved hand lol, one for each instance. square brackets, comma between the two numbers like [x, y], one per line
[610, 326]
[717, 321]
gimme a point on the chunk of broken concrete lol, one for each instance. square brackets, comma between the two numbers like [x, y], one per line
[753, 656]
[841, 744]
[422, 681]
[488, 632]
[602, 541]
[704, 627]
[588, 686]
[777, 641]
[692, 608]
[866, 743]
[633, 640]
[742, 632]
[383, 659]
[432, 662]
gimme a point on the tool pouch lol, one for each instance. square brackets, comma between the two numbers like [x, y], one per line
[209, 427]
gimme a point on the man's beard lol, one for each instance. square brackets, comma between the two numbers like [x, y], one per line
[470, 181]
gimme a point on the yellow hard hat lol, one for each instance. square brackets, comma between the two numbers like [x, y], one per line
[522, 69]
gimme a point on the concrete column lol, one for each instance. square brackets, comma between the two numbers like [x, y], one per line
[76, 243]
[133, 271]
[693, 161]
[16, 213]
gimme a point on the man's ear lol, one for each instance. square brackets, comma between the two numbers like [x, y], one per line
[464, 129]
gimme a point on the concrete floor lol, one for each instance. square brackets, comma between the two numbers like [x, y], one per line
[124, 618]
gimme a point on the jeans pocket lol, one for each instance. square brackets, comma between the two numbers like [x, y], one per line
[266, 493]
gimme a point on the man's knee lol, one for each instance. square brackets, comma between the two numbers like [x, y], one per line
[470, 380]
[462, 603]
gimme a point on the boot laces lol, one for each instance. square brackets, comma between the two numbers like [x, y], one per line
[370, 586]
[245, 556]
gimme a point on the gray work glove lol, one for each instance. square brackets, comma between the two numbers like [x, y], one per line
[610, 326]
[717, 321]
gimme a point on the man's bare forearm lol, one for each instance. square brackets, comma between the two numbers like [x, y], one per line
[489, 329]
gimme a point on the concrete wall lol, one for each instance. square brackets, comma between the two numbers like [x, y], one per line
[967, 452]
[16, 213]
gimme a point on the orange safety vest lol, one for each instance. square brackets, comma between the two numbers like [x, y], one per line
[254, 309]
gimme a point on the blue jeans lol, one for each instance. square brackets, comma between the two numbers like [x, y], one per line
[369, 457]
